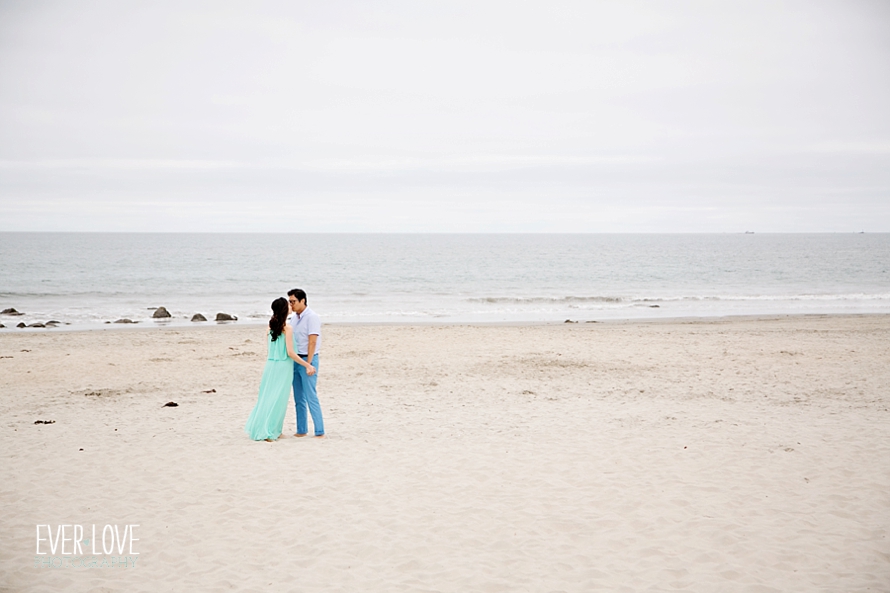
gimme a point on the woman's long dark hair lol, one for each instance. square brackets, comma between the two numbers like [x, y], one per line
[279, 317]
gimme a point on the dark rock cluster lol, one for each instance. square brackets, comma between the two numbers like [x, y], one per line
[49, 324]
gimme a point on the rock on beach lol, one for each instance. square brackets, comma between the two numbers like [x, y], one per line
[161, 313]
[225, 317]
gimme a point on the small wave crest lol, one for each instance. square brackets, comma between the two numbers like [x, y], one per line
[630, 300]
[534, 300]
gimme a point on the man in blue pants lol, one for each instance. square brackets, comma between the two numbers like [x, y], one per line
[307, 342]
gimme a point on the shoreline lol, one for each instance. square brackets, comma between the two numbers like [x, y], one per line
[214, 325]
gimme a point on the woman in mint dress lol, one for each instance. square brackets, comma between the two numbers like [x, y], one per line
[267, 418]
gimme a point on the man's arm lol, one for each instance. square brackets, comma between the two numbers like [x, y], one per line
[314, 331]
[310, 352]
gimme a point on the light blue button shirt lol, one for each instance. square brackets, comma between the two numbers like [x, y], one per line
[305, 324]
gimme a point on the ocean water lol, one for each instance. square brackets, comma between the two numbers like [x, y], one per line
[86, 279]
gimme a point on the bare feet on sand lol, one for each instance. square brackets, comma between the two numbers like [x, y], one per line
[296, 434]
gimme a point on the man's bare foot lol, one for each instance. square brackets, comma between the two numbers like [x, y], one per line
[318, 436]
[296, 434]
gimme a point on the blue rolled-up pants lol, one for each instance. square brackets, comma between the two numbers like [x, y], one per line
[305, 395]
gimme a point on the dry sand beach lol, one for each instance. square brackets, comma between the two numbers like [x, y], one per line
[709, 456]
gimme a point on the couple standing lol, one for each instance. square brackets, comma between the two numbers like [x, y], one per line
[292, 361]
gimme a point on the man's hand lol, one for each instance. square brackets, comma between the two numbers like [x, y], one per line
[310, 370]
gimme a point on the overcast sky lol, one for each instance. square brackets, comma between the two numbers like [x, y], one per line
[445, 116]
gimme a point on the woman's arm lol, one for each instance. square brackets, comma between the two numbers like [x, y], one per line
[289, 336]
[289, 343]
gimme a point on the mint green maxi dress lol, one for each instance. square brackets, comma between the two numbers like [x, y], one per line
[267, 417]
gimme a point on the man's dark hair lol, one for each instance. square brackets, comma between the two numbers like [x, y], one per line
[299, 294]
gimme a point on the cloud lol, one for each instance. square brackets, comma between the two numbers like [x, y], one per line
[424, 116]
[863, 148]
